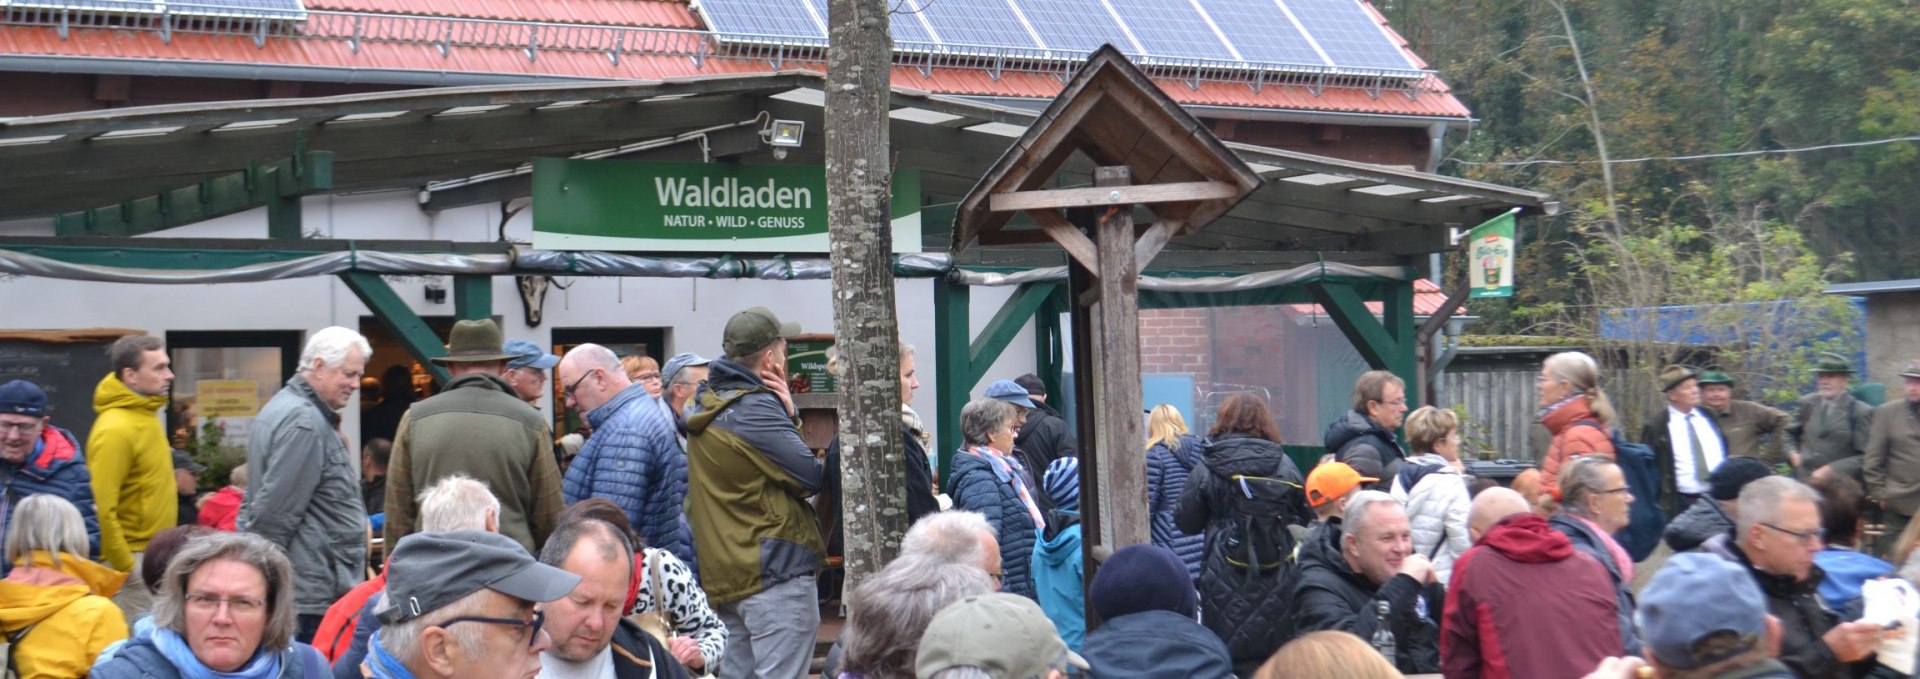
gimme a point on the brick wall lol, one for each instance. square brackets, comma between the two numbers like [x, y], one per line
[1230, 347]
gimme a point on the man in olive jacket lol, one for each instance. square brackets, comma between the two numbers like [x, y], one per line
[1892, 465]
[477, 427]
[758, 540]
[1831, 426]
[303, 494]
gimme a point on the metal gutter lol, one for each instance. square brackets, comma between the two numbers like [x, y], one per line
[329, 74]
[1264, 114]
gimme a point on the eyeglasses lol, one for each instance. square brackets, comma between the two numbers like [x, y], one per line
[22, 427]
[1396, 402]
[235, 605]
[576, 383]
[1806, 539]
[1610, 491]
[532, 626]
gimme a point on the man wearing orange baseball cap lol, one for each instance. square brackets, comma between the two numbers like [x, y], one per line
[1328, 487]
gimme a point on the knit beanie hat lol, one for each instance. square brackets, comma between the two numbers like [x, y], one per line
[1062, 483]
[1733, 475]
[1142, 578]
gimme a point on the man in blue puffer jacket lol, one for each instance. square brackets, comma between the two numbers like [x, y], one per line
[633, 457]
[37, 457]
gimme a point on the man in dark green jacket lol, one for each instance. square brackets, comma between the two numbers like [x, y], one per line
[1831, 426]
[758, 540]
[479, 428]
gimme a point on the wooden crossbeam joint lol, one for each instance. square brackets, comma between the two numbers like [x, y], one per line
[1101, 196]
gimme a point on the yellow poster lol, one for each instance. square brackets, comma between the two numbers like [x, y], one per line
[228, 398]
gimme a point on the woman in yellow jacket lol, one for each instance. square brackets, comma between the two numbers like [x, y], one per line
[55, 607]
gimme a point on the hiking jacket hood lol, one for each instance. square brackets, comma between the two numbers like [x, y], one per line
[131, 464]
[1496, 624]
[1156, 645]
[1699, 523]
[752, 525]
[55, 467]
[70, 610]
[1366, 446]
[1058, 578]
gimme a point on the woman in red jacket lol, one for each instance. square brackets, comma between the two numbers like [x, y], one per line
[1575, 411]
[220, 510]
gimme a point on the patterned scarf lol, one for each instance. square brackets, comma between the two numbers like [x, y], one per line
[1004, 470]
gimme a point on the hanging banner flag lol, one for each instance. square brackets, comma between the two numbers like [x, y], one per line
[1490, 250]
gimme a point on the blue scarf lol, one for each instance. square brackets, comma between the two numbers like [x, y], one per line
[264, 665]
[382, 665]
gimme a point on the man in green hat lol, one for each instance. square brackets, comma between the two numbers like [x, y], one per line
[1831, 427]
[1892, 463]
[1687, 443]
[477, 427]
[1743, 422]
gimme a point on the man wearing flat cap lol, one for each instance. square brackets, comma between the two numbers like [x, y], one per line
[461, 604]
[1743, 422]
[1892, 463]
[757, 538]
[1686, 441]
[479, 427]
[1831, 426]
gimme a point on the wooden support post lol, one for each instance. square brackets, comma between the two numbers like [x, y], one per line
[952, 313]
[472, 297]
[1121, 475]
[1397, 317]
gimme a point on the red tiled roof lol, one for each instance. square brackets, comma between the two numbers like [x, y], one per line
[413, 27]
[1427, 298]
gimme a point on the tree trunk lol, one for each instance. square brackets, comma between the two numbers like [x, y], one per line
[859, 213]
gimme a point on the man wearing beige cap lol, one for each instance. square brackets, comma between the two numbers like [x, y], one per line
[1000, 635]
[476, 426]
[1892, 463]
[757, 538]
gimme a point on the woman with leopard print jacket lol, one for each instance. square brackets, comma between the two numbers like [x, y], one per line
[696, 628]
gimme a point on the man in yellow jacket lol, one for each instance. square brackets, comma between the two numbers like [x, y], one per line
[131, 462]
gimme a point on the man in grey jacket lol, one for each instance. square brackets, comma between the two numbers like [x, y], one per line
[305, 495]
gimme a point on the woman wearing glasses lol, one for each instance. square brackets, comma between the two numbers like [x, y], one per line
[1594, 505]
[54, 606]
[224, 606]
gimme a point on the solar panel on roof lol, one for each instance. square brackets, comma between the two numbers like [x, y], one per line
[1171, 28]
[1077, 25]
[259, 9]
[1348, 34]
[991, 23]
[140, 6]
[761, 18]
[1262, 31]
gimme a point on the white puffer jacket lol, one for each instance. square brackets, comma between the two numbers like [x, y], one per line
[1437, 509]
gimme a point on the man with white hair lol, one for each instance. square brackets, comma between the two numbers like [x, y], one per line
[1373, 577]
[455, 503]
[461, 604]
[1778, 531]
[304, 494]
[955, 536]
[479, 427]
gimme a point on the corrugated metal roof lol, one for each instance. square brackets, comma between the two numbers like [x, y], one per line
[1875, 287]
[405, 35]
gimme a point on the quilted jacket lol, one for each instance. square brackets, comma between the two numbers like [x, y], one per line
[55, 466]
[975, 486]
[1698, 524]
[634, 459]
[1437, 507]
[1249, 610]
[1369, 448]
[1167, 472]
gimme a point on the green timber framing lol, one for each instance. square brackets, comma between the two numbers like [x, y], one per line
[961, 361]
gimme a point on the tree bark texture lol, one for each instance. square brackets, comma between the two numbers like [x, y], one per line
[860, 219]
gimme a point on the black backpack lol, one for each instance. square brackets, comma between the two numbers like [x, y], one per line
[1257, 539]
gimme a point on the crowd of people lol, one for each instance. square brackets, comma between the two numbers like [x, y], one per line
[682, 533]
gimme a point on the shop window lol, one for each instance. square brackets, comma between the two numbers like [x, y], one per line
[221, 380]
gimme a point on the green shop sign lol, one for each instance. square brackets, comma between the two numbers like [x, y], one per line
[696, 207]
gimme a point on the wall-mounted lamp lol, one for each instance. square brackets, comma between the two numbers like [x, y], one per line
[785, 134]
[436, 293]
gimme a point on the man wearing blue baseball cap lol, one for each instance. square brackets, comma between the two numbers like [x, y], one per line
[1701, 617]
[37, 457]
[527, 371]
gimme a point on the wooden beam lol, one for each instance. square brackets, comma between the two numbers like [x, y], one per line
[392, 312]
[1351, 315]
[1097, 197]
[1119, 478]
[473, 297]
[1151, 242]
[1006, 323]
[1071, 239]
[277, 186]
